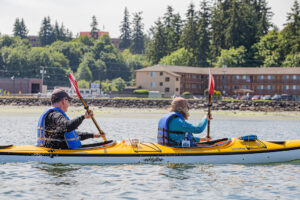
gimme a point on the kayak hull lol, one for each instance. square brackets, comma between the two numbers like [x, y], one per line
[233, 151]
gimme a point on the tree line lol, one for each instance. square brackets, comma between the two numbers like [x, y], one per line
[230, 33]
[233, 33]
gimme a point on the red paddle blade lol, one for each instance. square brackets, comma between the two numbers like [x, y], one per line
[74, 84]
[211, 84]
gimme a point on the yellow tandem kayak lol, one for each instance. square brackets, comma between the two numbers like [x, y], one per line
[226, 150]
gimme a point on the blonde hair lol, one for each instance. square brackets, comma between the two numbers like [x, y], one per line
[180, 105]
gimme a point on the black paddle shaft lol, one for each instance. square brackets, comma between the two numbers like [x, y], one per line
[209, 111]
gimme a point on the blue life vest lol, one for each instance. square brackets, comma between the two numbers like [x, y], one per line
[163, 131]
[71, 138]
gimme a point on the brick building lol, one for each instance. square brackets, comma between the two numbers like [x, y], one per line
[25, 85]
[262, 81]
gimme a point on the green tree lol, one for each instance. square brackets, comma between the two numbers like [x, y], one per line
[46, 35]
[233, 57]
[134, 61]
[71, 50]
[181, 57]
[291, 32]
[125, 39]
[20, 28]
[158, 44]
[83, 84]
[86, 40]
[189, 38]
[172, 24]
[106, 86]
[84, 72]
[137, 43]
[268, 49]
[119, 84]
[292, 60]
[114, 64]
[94, 30]
[202, 50]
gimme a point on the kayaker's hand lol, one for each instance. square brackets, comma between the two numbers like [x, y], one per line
[89, 115]
[205, 139]
[208, 117]
[97, 135]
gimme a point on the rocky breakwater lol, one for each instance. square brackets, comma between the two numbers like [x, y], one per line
[163, 104]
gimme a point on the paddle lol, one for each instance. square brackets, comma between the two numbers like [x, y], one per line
[211, 87]
[75, 87]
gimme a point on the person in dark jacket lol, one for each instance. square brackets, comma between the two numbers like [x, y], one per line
[56, 130]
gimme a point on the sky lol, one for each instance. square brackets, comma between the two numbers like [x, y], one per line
[76, 15]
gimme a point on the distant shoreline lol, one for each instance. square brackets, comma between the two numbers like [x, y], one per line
[159, 104]
[10, 110]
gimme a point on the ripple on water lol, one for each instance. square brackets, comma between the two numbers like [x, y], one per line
[145, 181]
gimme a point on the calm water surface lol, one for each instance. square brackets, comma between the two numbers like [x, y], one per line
[145, 181]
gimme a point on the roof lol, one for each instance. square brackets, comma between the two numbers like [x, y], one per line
[223, 71]
[158, 68]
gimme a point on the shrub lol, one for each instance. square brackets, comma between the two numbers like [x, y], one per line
[186, 95]
[141, 91]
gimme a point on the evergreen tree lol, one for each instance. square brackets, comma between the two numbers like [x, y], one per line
[291, 33]
[94, 30]
[125, 31]
[20, 29]
[218, 25]
[264, 15]
[202, 53]
[158, 44]
[189, 38]
[293, 18]
[46, 35]
[172, 24]
[56, 32]
[233, 32]
[137, 43]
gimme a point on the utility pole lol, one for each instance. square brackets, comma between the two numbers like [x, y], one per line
[42, 71]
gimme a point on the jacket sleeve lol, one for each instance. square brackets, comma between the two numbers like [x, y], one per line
[178, 124]
[85, 135]
[64, 124]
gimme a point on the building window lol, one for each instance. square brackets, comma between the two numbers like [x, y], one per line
[194, 86]
[161, 83]
[245, 87]
[182, 75]
[152, 74]
[295, 77]
[161, 73]
[224, 87]
[177, 79]
[269, 87]
[270, 77]
[286, 77]
[194, 76]
[167, 89]
[182, 85]
[167, 79]
[295, 87]
[260, 87]
[286, 87]
[177, 89]
[235, 87]
[237, 77]
[261, 77]
[152, 84]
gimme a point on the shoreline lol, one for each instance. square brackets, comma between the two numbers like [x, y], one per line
[10, 110]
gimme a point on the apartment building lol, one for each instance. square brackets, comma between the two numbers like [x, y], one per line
[263, 81]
